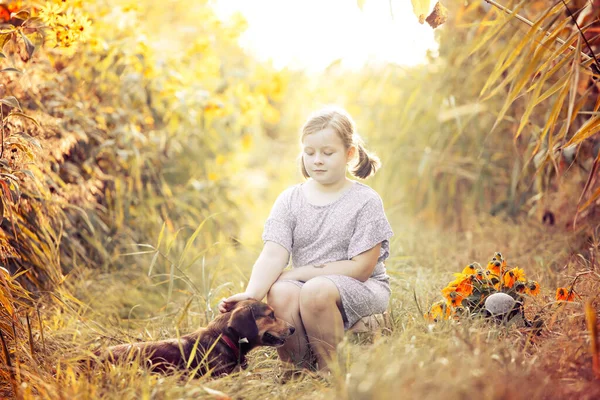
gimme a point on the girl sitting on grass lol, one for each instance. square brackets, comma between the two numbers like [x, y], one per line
[337, 234]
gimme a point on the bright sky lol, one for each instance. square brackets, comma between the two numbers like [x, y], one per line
[313, 33]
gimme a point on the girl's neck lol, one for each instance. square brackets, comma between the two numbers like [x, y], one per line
[332, 188]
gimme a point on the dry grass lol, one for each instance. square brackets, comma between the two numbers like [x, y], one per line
[135, 298]
[450, 359]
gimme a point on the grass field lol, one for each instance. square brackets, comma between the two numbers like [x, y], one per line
[449, 359]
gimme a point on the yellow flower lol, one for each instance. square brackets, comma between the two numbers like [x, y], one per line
[459, 278]
[469, 269]
[438, 310]
[49, 13]
[83, 26]
[511, 277]
[519, 273]
[447, 292]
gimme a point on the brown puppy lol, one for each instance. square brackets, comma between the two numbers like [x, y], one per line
[231, 336]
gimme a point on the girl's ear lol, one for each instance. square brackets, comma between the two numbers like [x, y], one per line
[351, 152]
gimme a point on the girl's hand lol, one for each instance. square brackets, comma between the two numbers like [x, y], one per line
[227, 304]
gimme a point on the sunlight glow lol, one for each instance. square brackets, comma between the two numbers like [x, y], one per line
[311, 34]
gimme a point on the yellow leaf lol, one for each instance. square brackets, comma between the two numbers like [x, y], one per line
[421, 9]
[589, 129]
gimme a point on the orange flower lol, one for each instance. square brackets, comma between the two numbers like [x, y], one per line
[453, 297]
[494, 267]
[512, 276]
[456, 300]
[463, 284]
[564, 294]
[489, 275]
[509, 279]
[533, 288]
[465, 288]
[498, 257]
[480, 275]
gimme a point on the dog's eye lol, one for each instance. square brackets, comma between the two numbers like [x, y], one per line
[272, 315]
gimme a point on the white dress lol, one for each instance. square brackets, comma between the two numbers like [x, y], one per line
[341, 230]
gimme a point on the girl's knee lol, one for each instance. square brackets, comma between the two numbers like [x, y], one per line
[318, 294]
[283, 296]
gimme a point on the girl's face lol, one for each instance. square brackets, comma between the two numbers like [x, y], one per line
[325, 157]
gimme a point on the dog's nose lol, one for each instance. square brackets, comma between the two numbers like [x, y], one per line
[292, 330]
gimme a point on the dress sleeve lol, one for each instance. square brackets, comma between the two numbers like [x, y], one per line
[280, 224]
[372, 228]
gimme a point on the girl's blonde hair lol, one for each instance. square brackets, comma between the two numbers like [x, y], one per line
[341, 122]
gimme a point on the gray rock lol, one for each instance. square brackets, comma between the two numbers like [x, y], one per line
[499, 303]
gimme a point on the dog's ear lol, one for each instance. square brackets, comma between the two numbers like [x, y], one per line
[242, 322]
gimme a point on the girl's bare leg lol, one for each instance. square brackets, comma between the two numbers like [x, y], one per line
[320, 311]
[284, 297]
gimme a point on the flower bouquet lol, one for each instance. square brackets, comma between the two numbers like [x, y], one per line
[495, 291]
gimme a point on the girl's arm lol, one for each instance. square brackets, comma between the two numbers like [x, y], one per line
[359, 267]
[272, 260]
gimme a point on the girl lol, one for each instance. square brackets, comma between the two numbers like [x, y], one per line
[337, 234]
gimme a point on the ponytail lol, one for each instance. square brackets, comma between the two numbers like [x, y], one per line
[367, 164]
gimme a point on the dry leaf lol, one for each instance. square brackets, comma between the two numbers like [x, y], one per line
[438, 16]
[420, 8]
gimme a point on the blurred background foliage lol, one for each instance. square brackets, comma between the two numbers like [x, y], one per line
[150, 147]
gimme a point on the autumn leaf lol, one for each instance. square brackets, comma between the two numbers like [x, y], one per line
[420, 8]
[438, 16]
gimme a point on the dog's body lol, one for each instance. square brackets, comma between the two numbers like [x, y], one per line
[221, 346]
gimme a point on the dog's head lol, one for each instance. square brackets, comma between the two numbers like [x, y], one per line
[255, 321]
